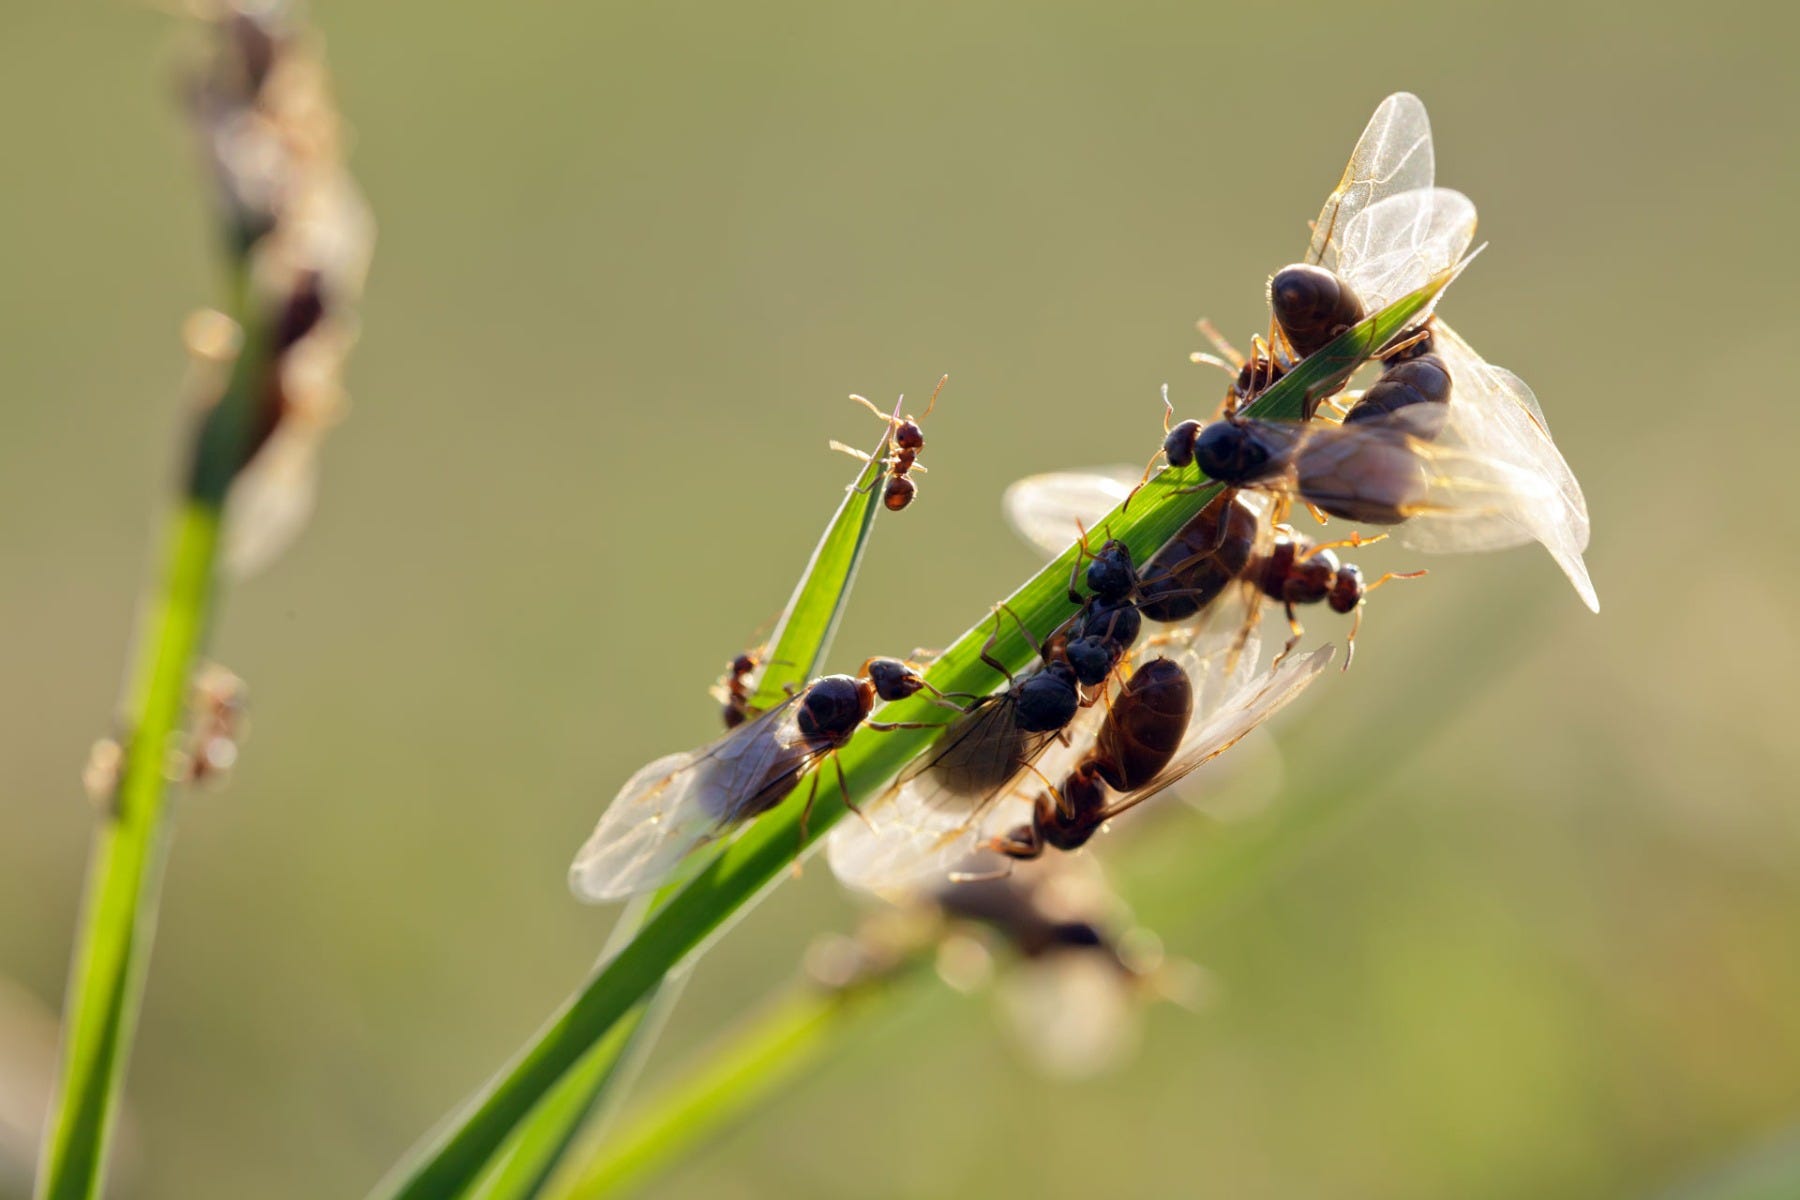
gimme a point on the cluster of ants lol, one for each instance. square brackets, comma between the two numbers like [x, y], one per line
[1107, 715]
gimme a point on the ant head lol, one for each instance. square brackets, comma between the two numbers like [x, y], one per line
[743, 664]
[908, 435]
[1347, 589]
[1178, 445]
[1092, 659]
[892, 679]
[1111, 575]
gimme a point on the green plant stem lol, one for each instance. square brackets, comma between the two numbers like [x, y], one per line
[125, 871]
[755, 860]
[780, 1043]
[796, 654]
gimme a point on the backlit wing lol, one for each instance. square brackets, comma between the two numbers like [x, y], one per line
[1452, 500]
[676, 803]
[1393, 155]
[1493, 414]
[1225, 713]
[937, 817]
[1398, 245]
[1044, 509]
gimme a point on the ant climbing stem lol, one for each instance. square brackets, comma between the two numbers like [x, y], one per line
[908, 441]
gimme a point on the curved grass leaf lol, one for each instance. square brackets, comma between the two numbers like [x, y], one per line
[796, 654]
[748, 865]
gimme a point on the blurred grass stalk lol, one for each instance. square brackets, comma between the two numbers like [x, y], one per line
[763, 1055]
[796, 653]
[266, 377]
[455, 1158]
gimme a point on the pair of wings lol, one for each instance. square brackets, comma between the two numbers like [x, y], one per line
[1386, 229]
[922, 829]
[675, 804]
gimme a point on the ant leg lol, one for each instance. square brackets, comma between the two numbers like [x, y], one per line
[866, 403]
[1350, 642]
[1225, 348]
[1391, 575]
[942, 380]
[1082, 554]
[1296, 631]
[886, 726]
[1355, 541]
[1202, 359]
[1036, 646]
[988, 645]
[1168, 414]
[863, 457]
[806, 813]
[1333, 406]
[1318, 513]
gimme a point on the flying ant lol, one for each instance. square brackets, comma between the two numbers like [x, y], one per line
[680, 801]
[908, 440]
[1154, 736]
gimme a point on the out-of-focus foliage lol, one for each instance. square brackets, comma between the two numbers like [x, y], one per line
[1554, 957]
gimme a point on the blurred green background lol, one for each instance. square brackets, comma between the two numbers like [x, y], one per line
[1527, 919]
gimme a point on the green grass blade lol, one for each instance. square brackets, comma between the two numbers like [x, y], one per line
[802, 639]
[796, 654]
[765, 850]
[779, 1044]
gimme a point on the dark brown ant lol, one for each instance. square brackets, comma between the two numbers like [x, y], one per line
[1200, 561]
[1312, 306]
[908, 441]
[681, 801]
[1412, 375]
[1142, 732]
[1094, 640]
[1299, 571]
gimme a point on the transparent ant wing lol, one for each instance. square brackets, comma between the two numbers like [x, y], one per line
[1452, 500]
[1045, 509]
[1400, 244]
[936, 818]
[680, 801]
[1494, 415]
[1226, 709]
[1393, 155]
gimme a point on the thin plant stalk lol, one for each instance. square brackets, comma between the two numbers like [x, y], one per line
[288, 286]
[796, 654]
[452, 1161]
[118, 916]
[782, 1042]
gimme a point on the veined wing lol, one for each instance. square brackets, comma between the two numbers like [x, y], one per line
[1493, 413]
[680, 801]
[935, 818]
[1044, 509]
[1397, 245]
[1451, 499]
[1393, 155]
[1224, 714]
